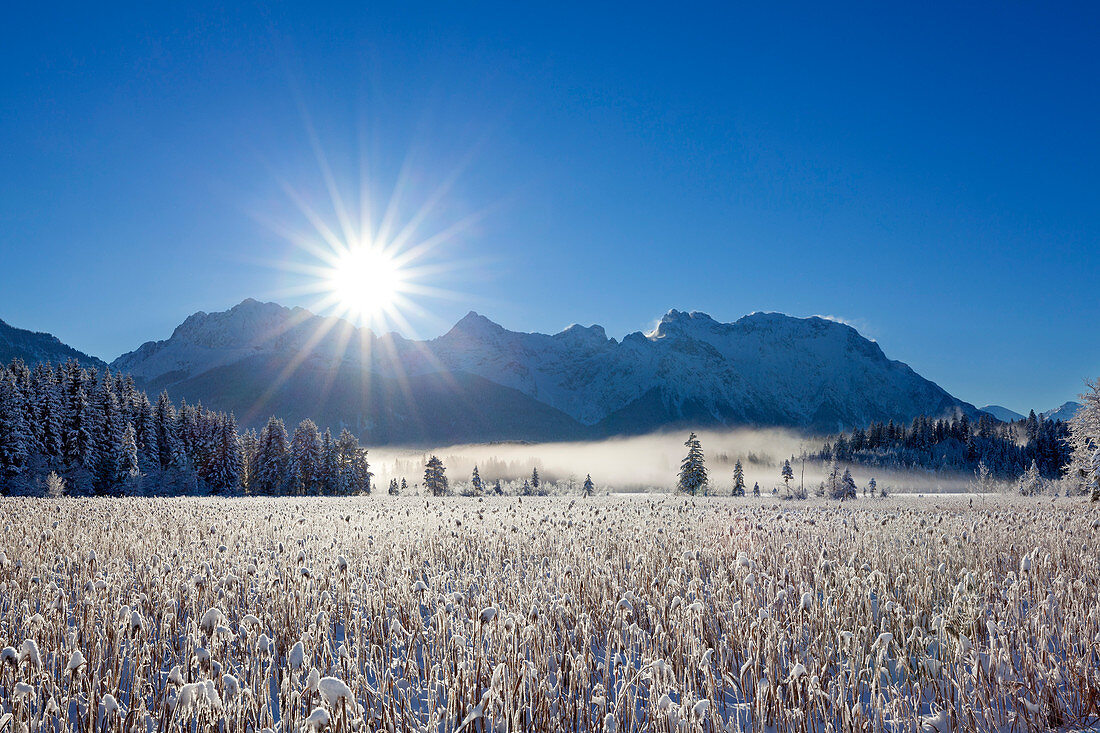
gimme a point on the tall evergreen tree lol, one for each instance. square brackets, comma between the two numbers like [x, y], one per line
[435, 478]
[13, 429]
[167, 449]
[589, 488]
[787, 474]
[693, 473]
[112, 463]
[1084, 440]
[738, 479]
[305, 457]
[475, 482]
[848, 486]
[226, 464]
[269, 473]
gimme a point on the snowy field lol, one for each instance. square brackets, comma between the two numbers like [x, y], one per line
[614, 613]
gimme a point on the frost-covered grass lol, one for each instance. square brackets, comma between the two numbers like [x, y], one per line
[614, 613]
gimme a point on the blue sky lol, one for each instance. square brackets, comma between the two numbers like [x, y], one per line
[928, 174]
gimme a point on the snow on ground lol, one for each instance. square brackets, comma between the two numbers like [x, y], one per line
[611, 613]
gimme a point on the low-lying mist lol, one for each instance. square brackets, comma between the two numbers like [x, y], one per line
[648, 462]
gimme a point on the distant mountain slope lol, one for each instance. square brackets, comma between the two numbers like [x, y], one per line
[1063, 412]
[33, 348]
[1002, 413]
[480, 381]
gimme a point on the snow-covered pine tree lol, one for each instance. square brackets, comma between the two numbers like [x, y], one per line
[787, 474]
[360, 471]
[226, 467]
[848, 486]
[305, 457]
[738, 479]
[872, 485]
[13, 430]
[129, 467]
[348, 478]
[404, 486]
[111, 467]
[497, 488]
[692, 478]
[1084, 439]
[589, 488]
[145, 433]
[167, 449]
[756, 489]
[1031, 483]
[394, 491]
[269, 473]
[475, 482]
[535, 479]
[435, 477]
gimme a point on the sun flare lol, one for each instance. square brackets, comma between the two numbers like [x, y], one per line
[365, 281]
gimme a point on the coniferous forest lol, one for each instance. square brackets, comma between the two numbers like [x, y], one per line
[1006, 449]
[69, 429]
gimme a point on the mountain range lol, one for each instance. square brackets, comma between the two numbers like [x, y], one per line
[481, 382]
[1063, 412]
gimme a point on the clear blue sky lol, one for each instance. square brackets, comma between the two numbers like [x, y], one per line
[929, 174]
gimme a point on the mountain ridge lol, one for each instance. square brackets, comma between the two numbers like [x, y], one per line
[35, 347]
[763, 369]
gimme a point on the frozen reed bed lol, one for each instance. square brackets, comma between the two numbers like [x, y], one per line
[602, 614]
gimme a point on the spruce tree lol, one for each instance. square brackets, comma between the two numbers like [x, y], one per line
[475, 481]
[535, 479]
[13, 430]
[756, 489]
[589, 488]
[787, 474]
[738, 479]
[226, 465]
[305, 457]
[848, 486]
[269, 475]
[435, 478]
[693, 473]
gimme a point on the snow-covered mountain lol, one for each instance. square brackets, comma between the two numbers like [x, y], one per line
[1002, 413]
[480, 381]
[1063, 412]
[33, 348]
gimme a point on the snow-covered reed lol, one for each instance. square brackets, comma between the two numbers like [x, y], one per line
[621, 614]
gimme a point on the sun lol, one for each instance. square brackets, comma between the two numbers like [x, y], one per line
[365, 281]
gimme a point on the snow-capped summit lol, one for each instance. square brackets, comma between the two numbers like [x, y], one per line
[1064, 412]
[763, 369]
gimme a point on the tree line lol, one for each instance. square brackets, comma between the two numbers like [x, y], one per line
[1006, 450]
[69, 429]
